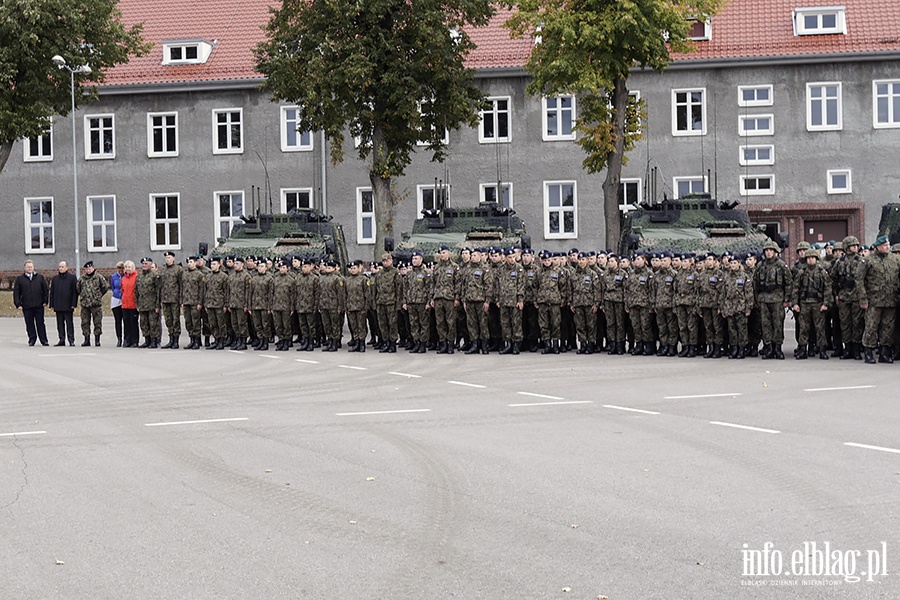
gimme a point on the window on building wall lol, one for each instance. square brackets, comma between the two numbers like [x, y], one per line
[100, 136]
[558, 117]
[755, 125]
[757, 185]
[296, 199]
[839, 181]
[755, 95]
[165, 222]
[365, 216]
[560, 210]
[820, 20]
[689, 112]
[445, 140]
[39, 231]
[886, 103]
[293, 138]
[228, 131]
[495, 121]
[489, 193]
[39, 148]
[630, 191]
[101, 223]
[162, 134]
[429, 197]
[756, 155]
[700, 30]
[823, 106]
[185, 52]
[682, 186]
[229, 210]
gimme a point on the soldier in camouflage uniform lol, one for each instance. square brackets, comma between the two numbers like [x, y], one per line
[509, 296]
[238, 296]
[708, 293]
[551, 295]
[476, 290]
[614, 280]
[685, 298]
[772, 281]
[259, 303]
[215, 293]
[283, 287]
[847, 279]
[332, 301]
[359, 297]
[417, 296]
[584, 300]
[306, 291]
[170, 297]
[810, 299]
[663, 302]
[736, 300]
[192, 302]
[462, 327]
[638, 304]
[146, 298]
[754, 323]
[91, 288]
[445, 300]
[531, 329]
[387, 298]
[878, 297]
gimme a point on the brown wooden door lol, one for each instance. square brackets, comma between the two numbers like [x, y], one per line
[818, 232]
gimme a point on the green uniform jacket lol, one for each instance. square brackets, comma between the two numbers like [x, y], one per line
[215, 289]
[772, 281]
[445, 281]
[192, 287]
[663, 288]
[585, 288]
[736, 293]
[332, 292]
[881, 280]
[812, 286]
[91, 289]
[283, 290]
[146, 291]
[550, 287]
[262, 288]
[170, 284]
[475, 285]
[306, 293]
[388, 286]
[847, 278]
[239, 289]
[639, 288]
[614, 282]
[359, 292]
[418, 286]
[686, 285]
[710, 288]
[509, 284]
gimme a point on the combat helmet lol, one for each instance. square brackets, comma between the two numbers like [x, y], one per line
[802, 245]
[771, 245]
[850, 241]
[811, 252]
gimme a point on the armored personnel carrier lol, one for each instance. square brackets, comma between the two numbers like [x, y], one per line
[303, 232]
[694, 223]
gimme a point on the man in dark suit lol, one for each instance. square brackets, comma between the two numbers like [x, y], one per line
[64, 301]
[31, 295]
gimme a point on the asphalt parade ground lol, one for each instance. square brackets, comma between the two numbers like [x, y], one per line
[156, 474]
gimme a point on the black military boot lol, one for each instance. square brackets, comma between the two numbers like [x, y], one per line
[507, 347]
[264, 346]
[838, 351]
[800, 353]
[473, 348]
[717, 351]
[361, 345]
[778, 353]
[823, 355]
[753, 350]
[848, 351]
[870, 359]
[421, 348]
[731, 352]
[169, 345]
[97, 340]
[351, 347]
[887, 355]
[241, 343]
[331, 346]
[451, 347]
[146, 343]
[173, 343]
[154, 342]
[709, 351]
[554, 345]
[582, 349]
[649, 348]
[692, 352]
[740, 353]
[768, 351]
[87, 341]
[515, 348]
[118, 341]
[442, 347]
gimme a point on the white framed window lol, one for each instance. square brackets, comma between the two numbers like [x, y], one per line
[101, 212]
[749, 156]
[430, 198]
[445, 140]
[365, 216]
[840, 181]
[99, 137]
[292, 138]
[165, 221]
[487, 192]
[689, 112]
[560, 210]
[495, 121]
[229, 207]
[700, 30]
[39, 231]
[756, 125]
[682, 186]
[886, 103]
[636, 127]
[630, 191]
[40, 148]
[162, 134]
[296, 199]
[757, 185]
[820, 20]
[755, 95]
[823, 106]
[558, 118]
[228, 130]
[186, 52]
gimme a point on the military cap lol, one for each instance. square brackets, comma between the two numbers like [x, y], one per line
[239, 259]
[517, 247]
[146, 259]
[582, 255]
[88, 264]
[771, 245]
[687, 256]
[850, 241]
[666, 254]
[230, 257]
[528, 251]
[613, 255]
[169, 253]
[895, 248]
[444, 247]
[712, 254]
[331, 263]
[509, 251]
[881, 239]
[573, 251]
[803, 245]
[356, 263]
[193, 257]
[811, 252]
[416, 253]
[215, 258]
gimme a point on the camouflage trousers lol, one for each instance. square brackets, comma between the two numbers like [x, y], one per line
[713, 325]
[477, 321]
[737, 329]
[511, 323]
[642, 322]
[445, 319]
[332, 324]
[667, 324]
[88, 314]
[217, 323]
[418, 322]
[879, 326]
[585, 323]
[261, 323]
[172, 314]
[688, 327]
[772, 316]
[387, 322]
[191, 321]
[307, 325]
[356, 320]
[548, 317]
[615, 320]
[149, 323]
[853, 321]
[238, 320]
[282, 319]
[810, 314]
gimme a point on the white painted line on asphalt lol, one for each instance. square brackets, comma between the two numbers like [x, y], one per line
[868, 447]
[748, 427]
[637, 410]
[69, 355]
[270, 356]
[474, 385]
[354, 367]
[383, 412]
[551, 403]
[836, 389]
[399, 374]
[540, 396]
[236, 351]
[309, 362]
[17, 433]
[702, 396]
[195, 422]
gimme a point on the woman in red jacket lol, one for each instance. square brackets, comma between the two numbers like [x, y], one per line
[129, 307]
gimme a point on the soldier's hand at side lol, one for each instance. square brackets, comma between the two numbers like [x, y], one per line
[487, 306]
[456, 304]
[864, 305]
[594, 309]
[824, 308]
[520, 305]
[796, 308]
[746, 313]
[787, 304]
[199, 307]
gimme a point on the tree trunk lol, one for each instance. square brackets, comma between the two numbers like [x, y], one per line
[381, 194]
[614, 161]
[5, 151]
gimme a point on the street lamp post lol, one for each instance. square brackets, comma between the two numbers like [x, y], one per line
[60, 62]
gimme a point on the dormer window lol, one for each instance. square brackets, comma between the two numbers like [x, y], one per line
[700, 30]
[186, 52]
[820, 20]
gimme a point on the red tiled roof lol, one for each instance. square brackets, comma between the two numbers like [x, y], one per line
[743, 29]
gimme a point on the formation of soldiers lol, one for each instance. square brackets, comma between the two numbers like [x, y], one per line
[510, 300]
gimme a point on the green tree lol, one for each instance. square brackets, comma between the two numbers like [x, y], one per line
[589, 48]
[391, 72]
[32, 88]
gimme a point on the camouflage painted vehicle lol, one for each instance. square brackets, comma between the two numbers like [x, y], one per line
[487, 224]
[695, 223]
[303, 232]
[889, 224]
